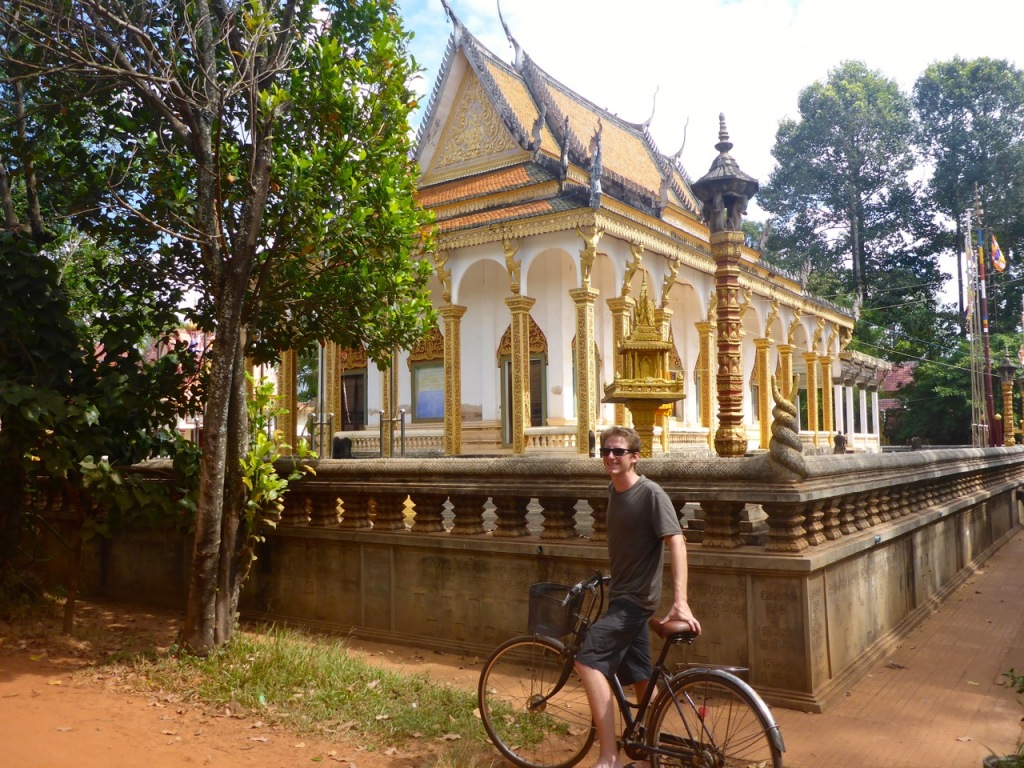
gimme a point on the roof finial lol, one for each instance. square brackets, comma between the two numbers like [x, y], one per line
[646, 123]
[679, 154]
[515, 44]
[459, 26]
[723, 145]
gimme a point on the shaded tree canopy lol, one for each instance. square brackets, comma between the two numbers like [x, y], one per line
[259, 153]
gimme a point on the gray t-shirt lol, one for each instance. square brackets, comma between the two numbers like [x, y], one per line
[638, 521]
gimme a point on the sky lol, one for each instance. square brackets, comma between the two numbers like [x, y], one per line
[748, 59]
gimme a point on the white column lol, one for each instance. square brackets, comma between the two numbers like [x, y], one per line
[874, 413]
[864, 410]
[837, 405]
[850, 415]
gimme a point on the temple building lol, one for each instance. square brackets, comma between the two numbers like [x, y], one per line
[559, 225]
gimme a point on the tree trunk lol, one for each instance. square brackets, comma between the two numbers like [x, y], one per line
[233, 533]
[75, 566]
[199, 631]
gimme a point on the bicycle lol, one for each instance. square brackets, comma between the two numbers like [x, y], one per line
[536, 714]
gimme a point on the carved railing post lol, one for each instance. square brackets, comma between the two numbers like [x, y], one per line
[830, 520]
[355, 511]
[469, 514]
[813, 524]
[323, 508]
[389, 511]
[559, 518]
[600, 506]
[296, 506]
[429, 508]
[860, 511]
[722, 524]
[786, 531]
[511, 513]
[847, 514]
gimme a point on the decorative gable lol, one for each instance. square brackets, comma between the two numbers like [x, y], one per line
[474, 139]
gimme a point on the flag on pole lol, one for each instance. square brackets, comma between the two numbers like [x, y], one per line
[998, 260]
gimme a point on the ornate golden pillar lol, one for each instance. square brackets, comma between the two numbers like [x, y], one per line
[763, 353]
[520, 306]
[828, 425]
[731, 436]
[811, 361]
[724, 192]
[388, 404]
[586, 362]
[621, 309]
[452, 316]
[332, 388]
[706, 334]
[786, 371]
[287, 398]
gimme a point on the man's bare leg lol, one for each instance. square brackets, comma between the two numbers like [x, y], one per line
[602, 708]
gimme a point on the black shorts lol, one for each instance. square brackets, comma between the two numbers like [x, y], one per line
[618, 643]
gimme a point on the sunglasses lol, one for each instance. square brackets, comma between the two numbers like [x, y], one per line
[616, 451]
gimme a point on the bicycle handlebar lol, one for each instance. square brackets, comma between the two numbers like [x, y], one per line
[589, 585]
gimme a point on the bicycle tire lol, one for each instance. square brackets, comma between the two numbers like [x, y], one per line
[719, 722]
[529, 722]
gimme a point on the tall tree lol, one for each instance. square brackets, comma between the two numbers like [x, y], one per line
[263, 146]
[972, 131]
[844, 208]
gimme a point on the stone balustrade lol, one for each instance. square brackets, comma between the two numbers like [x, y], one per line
[841, 495]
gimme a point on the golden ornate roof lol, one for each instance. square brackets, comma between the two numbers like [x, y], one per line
[492, 128]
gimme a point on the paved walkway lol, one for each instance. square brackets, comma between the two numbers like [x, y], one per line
[939, 700]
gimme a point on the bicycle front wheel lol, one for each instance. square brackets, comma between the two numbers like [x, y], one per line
[533, 705]
[710, 719]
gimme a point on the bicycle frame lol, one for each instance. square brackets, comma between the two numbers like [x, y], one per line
[663, 686]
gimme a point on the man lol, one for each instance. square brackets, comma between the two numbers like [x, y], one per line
[640, 518]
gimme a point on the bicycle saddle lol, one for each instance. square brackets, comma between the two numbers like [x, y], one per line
[679, 630]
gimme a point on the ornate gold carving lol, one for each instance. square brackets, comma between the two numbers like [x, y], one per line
[444, 275]
[452, 315]
[287, 400]
[810, 361]
[794, 326]
[632, 266]
[538, 342]
[585, 356]
[352, 358]
[833, 332]
[430, 347]
[818, 331]
[747, 293]
[588, 254]
[730, 437]
[474, 129]
[773, 314]
[513, 264]
[845, 337]
[669, 281]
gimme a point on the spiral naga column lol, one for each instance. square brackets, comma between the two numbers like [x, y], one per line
[724, 192]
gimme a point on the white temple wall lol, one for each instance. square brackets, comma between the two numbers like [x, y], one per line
[551, 276]
[483, 289]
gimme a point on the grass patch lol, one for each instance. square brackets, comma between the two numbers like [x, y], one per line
[316, 685]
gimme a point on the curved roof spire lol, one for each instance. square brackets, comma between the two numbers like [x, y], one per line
[679, 153]
[455, 20]
[515, 43]
[646, 123]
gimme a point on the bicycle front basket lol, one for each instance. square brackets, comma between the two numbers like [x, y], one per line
[547, 614]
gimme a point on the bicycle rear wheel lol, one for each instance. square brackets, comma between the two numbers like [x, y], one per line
[532, 720]
[711, 719]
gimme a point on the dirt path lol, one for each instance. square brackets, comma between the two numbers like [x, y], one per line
[58, 709]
